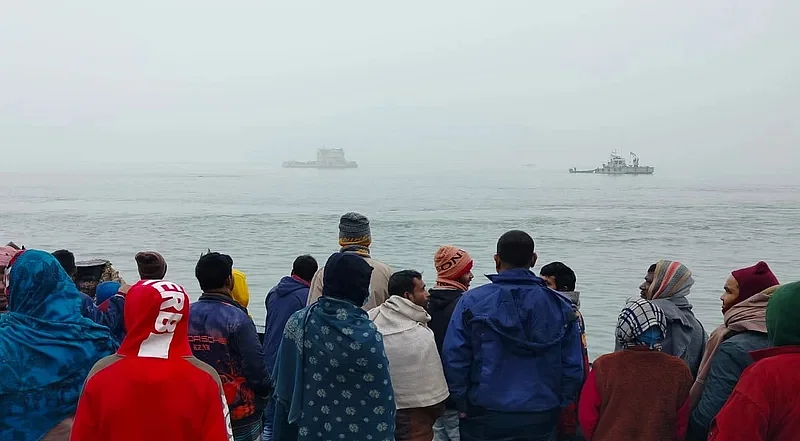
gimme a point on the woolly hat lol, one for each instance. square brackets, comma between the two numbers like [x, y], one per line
[151, 265]
[452, 263]
[753, 280]
[783, 316]
[354, 230]
[105, 291]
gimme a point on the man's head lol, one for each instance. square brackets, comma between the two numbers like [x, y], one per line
[354, 230]
[515, 249]
[305, 267]
[408, 284]
[453, 264]
[67, 261]
[151, 265]
[558, 277]
[214, 271]
[6, 254]
[347, 277]
[745, 283]
[648, 280]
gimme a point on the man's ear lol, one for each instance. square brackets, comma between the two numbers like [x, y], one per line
[534, 259]
[497, 263]
[229, 282]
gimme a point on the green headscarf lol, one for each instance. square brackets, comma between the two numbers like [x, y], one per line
[783, 316]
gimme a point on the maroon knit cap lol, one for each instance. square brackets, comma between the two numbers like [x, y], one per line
[151, 265]
[754, 279]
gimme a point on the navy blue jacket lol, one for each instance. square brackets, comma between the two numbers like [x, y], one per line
[730, 360]
[223, 335]
[513, 346]
[110, 314]
[286, 298]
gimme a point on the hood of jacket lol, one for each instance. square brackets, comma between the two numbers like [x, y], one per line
[526, 314]
[574, 297]
[157, 320]
[441, 298]
[287, 286]
[397, 315]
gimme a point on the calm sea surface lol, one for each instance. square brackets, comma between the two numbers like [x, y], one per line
[608, 229]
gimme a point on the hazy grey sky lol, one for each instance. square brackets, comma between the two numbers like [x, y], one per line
[557, 83]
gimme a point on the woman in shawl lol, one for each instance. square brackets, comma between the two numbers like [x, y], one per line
[744, 307]
[331, 375]
[46, 348]
[667, 285]
[639, 393]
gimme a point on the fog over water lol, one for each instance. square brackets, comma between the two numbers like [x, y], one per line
[163, 125]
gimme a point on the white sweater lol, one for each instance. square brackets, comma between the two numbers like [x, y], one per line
[414, 362]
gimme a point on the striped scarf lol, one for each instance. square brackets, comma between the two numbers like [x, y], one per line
[671, 280]
[636, 319]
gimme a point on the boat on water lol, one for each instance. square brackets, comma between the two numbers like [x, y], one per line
[326, 158]
[617, 165]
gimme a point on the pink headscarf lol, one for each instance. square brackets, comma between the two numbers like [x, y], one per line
[6, 253]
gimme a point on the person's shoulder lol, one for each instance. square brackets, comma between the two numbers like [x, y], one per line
[200, 366]
[379, 266]
[103, 367]
[602, 360]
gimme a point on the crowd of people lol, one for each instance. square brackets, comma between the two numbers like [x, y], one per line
[355, 351]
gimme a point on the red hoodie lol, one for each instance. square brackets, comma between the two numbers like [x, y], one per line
[153, 388]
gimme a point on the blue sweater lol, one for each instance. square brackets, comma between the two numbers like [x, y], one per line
[513, 346]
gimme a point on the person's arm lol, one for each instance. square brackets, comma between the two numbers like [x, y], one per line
[589, 407]
[457, 357]
[572, 373]
[254, 366]
[217, 422]
[745, 416]
[726, 368]
[83, 426]
[682, 421]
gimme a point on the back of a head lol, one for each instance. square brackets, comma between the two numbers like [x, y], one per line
[156, 320]
[783, 316]
[67, 261]
[402, 282]
[38, 286]
[347, 277]
[151, 265]
[565, 277]
[515, 249]
[213, 271]
[305, 267]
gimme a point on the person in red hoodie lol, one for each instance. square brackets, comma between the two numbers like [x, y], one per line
[153, 388]
[764, 404]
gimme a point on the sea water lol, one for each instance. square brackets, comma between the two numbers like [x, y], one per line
[609, 229]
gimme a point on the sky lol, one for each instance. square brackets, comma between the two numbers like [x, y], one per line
[700, 85]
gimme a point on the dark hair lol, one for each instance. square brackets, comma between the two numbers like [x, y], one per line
[515, 248]
[652, 268]
[213, 270]
[565, 277]
[402, 282]
[305, 267]
[67, 261]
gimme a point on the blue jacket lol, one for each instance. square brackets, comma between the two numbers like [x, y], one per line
[286, 298]
[223, 335]
[513, 346]
[110, 314]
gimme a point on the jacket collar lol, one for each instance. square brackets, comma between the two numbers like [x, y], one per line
[773, 352]
[222, 298]
[518, 276]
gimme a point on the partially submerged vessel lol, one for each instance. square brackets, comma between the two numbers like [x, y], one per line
[617, 165]
[326, 158]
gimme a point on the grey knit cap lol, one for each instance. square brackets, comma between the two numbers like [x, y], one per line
[354, 230]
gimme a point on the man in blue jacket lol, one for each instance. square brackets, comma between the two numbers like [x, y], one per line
[286, 298]
[223, 335]
[512, 353]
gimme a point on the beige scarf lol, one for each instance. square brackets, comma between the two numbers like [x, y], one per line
[749, 315]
